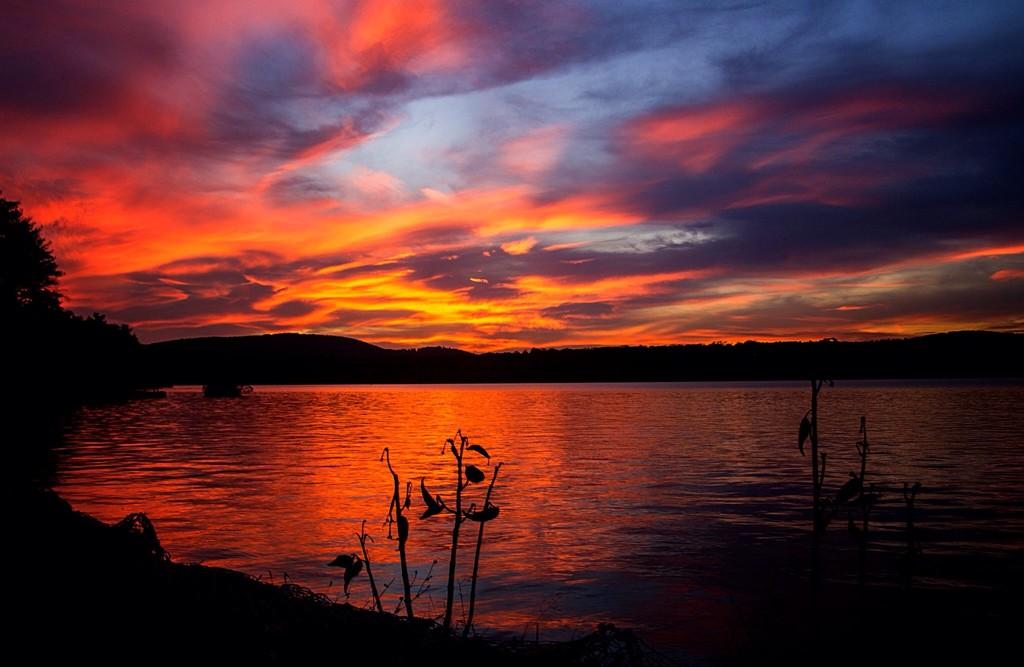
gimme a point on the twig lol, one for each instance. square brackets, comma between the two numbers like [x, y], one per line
[369, 572]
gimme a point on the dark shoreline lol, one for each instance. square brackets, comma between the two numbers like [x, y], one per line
[86, 589]
[320, 359]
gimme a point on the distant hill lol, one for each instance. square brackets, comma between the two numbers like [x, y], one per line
[314, 359]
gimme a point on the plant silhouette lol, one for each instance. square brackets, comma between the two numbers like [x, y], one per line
[809, 431]
[913, 549]
[350, 564]
[465, 474]
[398, 520]
[867, 497]
[398, 527]
[488, 512]
[363, 537]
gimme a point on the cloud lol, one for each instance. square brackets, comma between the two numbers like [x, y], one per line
[580, 311]
[495, 175]
[294, 308]
[534, 152]
[520, 246]
[1008, 274]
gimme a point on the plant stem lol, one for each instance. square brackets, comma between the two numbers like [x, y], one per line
[403, 534]
[449, 602]
[476, 558]
[863, 472]
[815, 388]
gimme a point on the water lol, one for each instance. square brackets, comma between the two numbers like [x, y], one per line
[672, 508]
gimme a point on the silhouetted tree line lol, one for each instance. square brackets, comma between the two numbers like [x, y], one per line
[47, 349]
[298, 358]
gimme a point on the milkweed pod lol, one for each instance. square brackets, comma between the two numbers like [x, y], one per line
[805, 432]
[474, 474]
[403, 529]
[352, 571]
[427, 498]
[344, 560]
[486, 514]
[480, 450]
[850, 490]
[433, 504]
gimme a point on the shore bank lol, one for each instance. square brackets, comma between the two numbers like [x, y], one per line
[86, 589]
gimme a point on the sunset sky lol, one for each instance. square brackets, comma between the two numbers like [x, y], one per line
[502, 175]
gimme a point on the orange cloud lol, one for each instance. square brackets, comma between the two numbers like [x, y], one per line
[520, 247]
[697, 138]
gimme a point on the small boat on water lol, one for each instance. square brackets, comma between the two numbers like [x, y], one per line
[225, 390]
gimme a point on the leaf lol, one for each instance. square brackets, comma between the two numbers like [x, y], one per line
[805, 432]
[474, 474]
[486, 514]
[480, 450]
[433, 505]
[403, 529]
[352, 571]
[344, 560]
[408, 493]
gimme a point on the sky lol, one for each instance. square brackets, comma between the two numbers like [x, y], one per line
[506, 175]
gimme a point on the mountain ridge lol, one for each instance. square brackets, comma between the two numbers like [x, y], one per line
[295, 358]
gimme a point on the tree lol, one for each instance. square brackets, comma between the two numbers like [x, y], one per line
[28, 270]
[48, 349]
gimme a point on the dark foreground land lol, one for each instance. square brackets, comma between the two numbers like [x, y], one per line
[85, 591]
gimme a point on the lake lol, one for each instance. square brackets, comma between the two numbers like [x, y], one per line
[676, 509]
